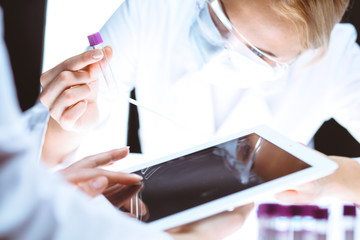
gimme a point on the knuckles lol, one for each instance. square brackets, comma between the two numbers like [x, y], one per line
[69, 96]
[43, 79]
[66, 64]
[64, 78]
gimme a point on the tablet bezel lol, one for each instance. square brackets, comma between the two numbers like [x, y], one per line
[320, 166]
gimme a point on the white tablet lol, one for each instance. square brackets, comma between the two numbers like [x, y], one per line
[223, 174]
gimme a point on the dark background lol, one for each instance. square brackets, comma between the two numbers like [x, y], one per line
[24, 36]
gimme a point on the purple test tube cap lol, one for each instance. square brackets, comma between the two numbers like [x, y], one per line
[95, 39]
[349, 210]
[308, 210]
[296, 210]
[267, 210]
[284, 211]
[321, 213]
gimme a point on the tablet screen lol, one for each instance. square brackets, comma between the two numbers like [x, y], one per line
[212, 173]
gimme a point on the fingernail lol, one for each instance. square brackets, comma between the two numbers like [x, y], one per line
[108, 47]
[123, 148]
[98, 183]
[97, 54]
[137, 176]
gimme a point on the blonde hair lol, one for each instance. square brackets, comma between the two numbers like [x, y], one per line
[314, 19]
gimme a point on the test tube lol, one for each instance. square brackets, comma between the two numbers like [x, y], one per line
[282, 223]
[321, 217]
[274, 222]
[266, 221]
[96, 42]
[349, 222]
[296, 212]
[308, 222]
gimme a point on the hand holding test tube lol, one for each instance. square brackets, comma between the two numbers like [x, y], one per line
[113, 91]
[71, 92]
[96, 42]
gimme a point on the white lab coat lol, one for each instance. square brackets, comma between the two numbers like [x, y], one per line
[35, 204]
[156, 51]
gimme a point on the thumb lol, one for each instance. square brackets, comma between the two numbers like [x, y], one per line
[108, 52]
[295, 197]
[107, 57]
[302, 194]
[289, 196]
[94, 186]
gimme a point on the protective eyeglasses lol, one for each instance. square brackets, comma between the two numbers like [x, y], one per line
[235, 40]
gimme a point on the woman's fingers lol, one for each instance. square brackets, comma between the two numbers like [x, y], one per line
[303, 194]
[111, 189]
[291, 196]
[85, 171]
[68, 99]
[101, 158]
[74, 64]
[67, 87]
[77, 176]
[107, 58]
[217, 226]
[119, 198]
[95, 186]
[64, 81]
[71, 115]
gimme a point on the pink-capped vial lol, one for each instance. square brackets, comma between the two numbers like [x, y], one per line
[308, 222]
[273, 222]
[296, 221]
[282, 223]
[266, 214]
[321, 217]
[96, 42]
[349, 222]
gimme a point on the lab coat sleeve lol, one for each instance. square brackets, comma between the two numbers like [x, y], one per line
[35, 204]
[122, 32]
[344, 101]
[36, 119]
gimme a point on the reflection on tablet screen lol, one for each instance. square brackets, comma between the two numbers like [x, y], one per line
[212, 173]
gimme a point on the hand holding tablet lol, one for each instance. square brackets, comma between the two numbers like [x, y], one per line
[343, 184]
